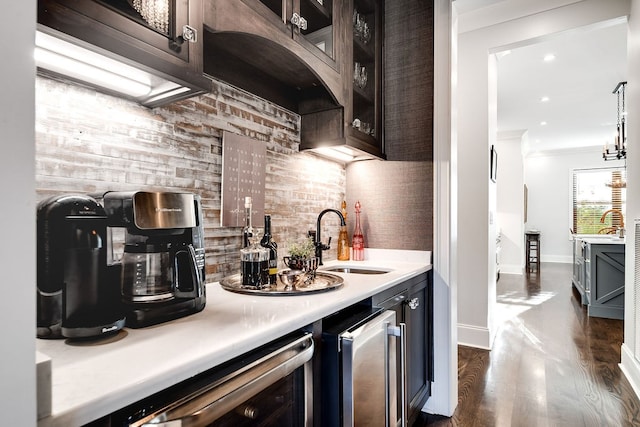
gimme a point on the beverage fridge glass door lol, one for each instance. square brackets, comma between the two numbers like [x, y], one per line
[369, 372]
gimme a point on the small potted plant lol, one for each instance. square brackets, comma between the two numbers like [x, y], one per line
[301, 254]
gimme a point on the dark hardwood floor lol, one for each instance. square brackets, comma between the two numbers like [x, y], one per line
[551, 364]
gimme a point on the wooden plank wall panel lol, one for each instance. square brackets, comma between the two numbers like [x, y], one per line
[88, 142]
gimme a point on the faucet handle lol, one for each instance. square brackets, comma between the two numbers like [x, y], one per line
[327, 246]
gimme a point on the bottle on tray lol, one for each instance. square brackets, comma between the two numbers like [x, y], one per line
[268, 243]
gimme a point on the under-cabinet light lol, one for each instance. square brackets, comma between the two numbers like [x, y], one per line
[343, 153]
[64, 58]
[166, 91]
[335, 153]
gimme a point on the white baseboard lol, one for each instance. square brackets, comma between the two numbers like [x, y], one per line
[474, 336]
[563, 259]
[630, 368]
[511, 269]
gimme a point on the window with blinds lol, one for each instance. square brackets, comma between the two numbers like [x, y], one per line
[596, 192]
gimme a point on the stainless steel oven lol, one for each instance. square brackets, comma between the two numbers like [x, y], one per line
[271, 386]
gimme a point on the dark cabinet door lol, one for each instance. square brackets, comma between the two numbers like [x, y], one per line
[169, 42]
[310, 22]
[418, 318]
[366, 76]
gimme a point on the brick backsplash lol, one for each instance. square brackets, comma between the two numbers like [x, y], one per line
[89, 142]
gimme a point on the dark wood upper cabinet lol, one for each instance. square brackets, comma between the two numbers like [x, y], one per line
[261, 46]
[171, 49]
[362, 113]
[366, 80]
[253, 45]
[309, 22]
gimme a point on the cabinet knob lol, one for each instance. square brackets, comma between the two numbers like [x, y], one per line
[298, 21]
[413, 303]
[189, 34]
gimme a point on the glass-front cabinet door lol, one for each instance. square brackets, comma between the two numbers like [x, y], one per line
[366, 120]
[164, 25]
[310, 22]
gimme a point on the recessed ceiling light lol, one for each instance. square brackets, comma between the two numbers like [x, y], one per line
[549, 57]
[543, 123]
[544, 99]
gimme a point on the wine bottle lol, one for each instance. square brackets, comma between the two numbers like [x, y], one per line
[343, 237]
[358, 238]
[268, 243]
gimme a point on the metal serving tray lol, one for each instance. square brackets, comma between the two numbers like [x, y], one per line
[323, 282]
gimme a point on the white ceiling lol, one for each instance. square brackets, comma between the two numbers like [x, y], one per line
[582, 110]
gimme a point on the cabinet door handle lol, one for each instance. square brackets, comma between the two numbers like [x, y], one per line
[303, 23]
[295, 20]
[189, 33]
[413, 303]
[400, 331]
[298, 21]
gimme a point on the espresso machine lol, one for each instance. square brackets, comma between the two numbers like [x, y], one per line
[75, 296]
[156, 240]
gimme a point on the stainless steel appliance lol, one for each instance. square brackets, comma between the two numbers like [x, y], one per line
[160, 256]
[359, 369]
[271, 386]
[75, 296]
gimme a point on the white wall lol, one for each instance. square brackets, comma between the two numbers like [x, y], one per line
[630, 362]
[549, 183]
[445, 386]
[510, 204]
[475, 116]
[17, 216]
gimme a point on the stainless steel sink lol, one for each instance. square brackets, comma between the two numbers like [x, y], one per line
[355, 270]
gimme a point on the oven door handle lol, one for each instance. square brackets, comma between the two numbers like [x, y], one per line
[224, 395]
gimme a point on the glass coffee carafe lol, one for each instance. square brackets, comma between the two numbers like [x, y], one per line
[147, 272]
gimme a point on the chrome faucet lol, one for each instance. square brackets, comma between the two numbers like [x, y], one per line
[317, 240]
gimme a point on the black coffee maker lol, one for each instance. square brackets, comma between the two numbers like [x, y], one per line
[76, 298]
[160, 253]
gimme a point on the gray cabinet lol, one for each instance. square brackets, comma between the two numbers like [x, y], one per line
[598, 276]
[578, 268]
[605, 275]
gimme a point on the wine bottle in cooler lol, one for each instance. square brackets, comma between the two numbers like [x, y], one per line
[357, 242]
[268, 243]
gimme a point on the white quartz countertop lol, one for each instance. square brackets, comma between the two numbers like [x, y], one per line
[604, 240]
[93, 379]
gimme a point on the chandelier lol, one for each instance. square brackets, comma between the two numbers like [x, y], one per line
[620, 143]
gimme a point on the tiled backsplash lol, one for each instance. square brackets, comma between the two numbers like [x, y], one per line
[88, 142]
